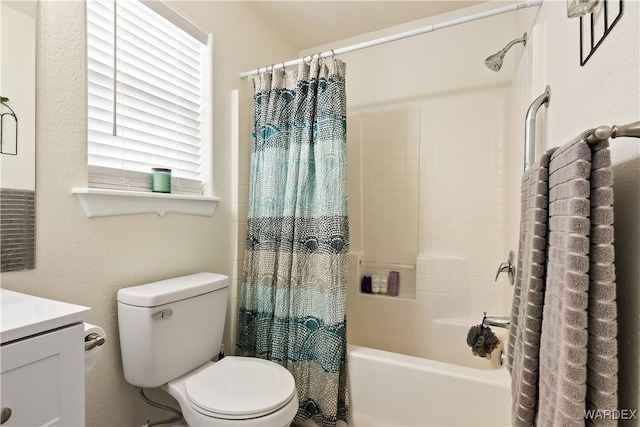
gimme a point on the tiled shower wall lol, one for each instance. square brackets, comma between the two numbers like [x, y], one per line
[462, 201]
[389, 145]
[384, 159]
[460, 218]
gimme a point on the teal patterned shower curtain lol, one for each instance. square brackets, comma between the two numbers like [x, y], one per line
[293, 297]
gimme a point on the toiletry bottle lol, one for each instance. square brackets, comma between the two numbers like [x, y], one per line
[375, 283]
[365, 287]
[383, 285]
[394, 281]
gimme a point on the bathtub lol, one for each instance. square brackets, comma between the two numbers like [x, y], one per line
[409, 363]
[390, 389]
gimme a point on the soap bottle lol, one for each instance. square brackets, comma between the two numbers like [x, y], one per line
[383, 285]
[375, 283]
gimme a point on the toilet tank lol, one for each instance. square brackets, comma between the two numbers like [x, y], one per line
[170, 327]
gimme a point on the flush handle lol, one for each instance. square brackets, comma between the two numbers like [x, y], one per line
[509, 267]
[162, 314]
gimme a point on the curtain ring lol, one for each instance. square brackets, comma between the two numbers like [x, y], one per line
[304, 59]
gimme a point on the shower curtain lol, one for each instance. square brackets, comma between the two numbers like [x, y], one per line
[293, 297]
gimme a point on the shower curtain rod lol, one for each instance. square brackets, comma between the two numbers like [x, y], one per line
[399, 36]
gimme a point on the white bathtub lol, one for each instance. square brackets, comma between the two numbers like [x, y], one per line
[389, 389]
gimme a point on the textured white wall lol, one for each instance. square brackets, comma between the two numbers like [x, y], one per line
[85, 261]
[605, 91]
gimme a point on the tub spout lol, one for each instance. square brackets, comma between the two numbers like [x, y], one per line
[497, 321]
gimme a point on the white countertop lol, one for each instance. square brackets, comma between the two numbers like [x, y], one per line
[23, 315]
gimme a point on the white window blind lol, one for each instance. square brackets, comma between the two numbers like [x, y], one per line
[145, 96]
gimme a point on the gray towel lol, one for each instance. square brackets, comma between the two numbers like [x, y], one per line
[576, 360]
[528, 298]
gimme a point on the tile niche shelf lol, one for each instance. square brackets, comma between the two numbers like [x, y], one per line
[407, 284]
[385, 296]
[104, 202]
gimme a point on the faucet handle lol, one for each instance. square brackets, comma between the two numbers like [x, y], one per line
[508, 267]
[504, 266]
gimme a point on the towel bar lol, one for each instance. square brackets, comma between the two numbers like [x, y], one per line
[605, 132]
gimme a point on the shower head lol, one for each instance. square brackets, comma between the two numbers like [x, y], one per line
[494, 62]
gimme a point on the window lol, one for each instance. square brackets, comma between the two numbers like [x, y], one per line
[148, 96]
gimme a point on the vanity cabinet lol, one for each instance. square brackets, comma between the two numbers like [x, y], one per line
[42, 362]
[42, 379]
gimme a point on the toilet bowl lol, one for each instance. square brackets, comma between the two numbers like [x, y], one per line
[169, 332]
[236, 391]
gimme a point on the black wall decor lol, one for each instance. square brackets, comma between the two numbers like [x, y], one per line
[589, 41]
[8, 119]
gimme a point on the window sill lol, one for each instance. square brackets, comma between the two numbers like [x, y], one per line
[103, 202]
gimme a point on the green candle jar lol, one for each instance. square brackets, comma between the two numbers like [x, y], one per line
[161, 180]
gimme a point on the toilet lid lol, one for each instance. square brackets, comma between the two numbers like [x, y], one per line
[240, 386]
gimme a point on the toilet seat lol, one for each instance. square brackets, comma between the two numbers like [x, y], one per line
[238, 388]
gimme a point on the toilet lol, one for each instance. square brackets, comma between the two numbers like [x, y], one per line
[169, 332]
